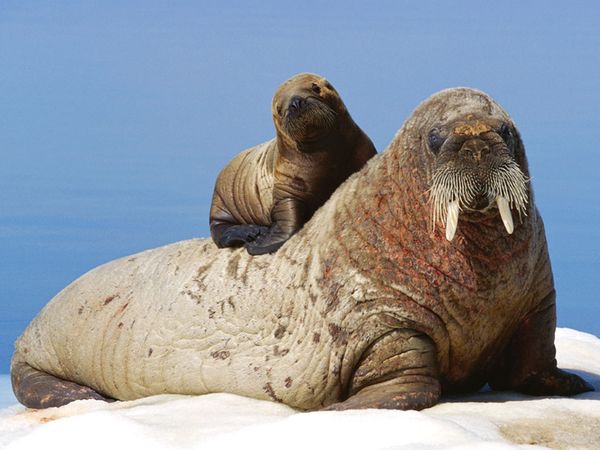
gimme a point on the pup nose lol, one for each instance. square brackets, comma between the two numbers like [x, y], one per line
[296, 102]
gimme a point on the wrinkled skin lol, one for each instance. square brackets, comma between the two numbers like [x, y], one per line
[266, 193]
[368, 306]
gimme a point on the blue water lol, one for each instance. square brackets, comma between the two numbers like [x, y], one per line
[115, 117]
[6, 395]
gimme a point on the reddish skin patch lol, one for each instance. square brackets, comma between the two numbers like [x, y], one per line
[110, 298]
[337, 333]
[268, 388]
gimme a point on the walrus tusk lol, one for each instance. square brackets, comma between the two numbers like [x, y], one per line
[505, 214]
[452, 219]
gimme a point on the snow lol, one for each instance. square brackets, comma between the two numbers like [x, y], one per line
[487, 420]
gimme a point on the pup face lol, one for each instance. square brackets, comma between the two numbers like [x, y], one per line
[306, 107]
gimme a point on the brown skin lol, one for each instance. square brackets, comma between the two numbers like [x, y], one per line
[267, 193]
[478, 309]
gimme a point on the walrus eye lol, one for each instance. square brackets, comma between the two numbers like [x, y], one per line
[315, 88]
[435, 140]
[506, 134]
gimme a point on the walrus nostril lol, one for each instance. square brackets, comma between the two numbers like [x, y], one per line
[296, 102]
[476, 149]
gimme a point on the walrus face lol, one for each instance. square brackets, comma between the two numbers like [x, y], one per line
[306, 108]
[476, 171]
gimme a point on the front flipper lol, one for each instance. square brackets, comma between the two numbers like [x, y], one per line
[268, 242]
[37, 389]
[288, 216]
[528, 364]
[398, 372]
[225, 230]
[235, 235]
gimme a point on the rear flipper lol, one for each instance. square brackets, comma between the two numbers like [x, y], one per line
[37, 389]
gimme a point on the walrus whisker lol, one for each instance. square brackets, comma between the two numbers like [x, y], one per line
[453, 189]
[448, 186]
[317, 115]
[509, 182]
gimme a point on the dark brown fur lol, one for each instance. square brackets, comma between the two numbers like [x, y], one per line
[268, 192]
[478, 309]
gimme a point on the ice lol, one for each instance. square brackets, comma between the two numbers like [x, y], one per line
[487, 420]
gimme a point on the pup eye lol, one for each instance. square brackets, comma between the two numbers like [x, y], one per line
[315, 88]
[435, 140]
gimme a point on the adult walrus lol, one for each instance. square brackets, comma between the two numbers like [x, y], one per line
[266, 193]
[367, 306]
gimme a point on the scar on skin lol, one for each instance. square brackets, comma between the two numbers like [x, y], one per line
[472, 130]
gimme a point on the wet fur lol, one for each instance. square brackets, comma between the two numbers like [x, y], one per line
[266, 194]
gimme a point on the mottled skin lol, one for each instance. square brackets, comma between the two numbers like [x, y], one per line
[366, 306]
[266, 193]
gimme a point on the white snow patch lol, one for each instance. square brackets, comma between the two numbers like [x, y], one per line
[487, 420]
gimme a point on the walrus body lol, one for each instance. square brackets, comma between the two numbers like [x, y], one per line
[370, 305]
[266, 193]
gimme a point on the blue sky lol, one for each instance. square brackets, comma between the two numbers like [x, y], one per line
[115, 117]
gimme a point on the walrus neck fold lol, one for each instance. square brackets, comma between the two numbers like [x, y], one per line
[387, 228]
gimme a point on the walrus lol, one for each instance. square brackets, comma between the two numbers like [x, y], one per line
[389, 297]
[266, 193]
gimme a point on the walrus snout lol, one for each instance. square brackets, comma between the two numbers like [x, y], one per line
[475, 149]
[474, 170]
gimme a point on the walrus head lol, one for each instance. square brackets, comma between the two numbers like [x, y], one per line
[477, 164]
[306, 108]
